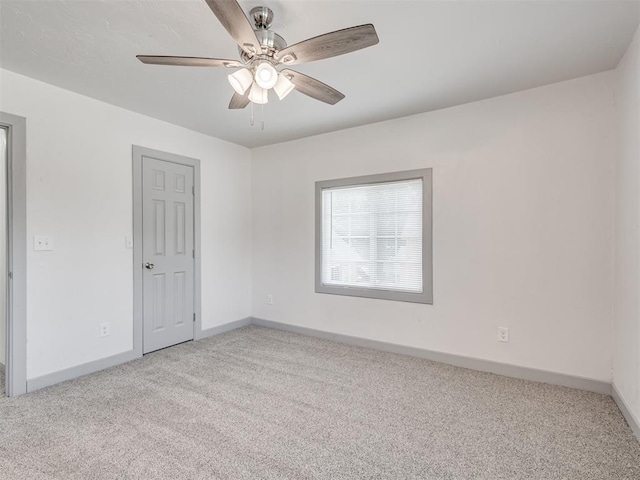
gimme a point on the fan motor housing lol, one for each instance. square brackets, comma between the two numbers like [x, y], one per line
[268, 39]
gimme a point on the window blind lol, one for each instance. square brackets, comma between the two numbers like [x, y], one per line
[372, 236]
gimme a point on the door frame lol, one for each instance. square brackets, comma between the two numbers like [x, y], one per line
[16, 313]
[138, 154]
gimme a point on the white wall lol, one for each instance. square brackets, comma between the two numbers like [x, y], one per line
[79, 191]
[523, 220]
[626, 360]
[523, 202]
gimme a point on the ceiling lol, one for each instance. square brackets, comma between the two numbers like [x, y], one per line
[431, 55]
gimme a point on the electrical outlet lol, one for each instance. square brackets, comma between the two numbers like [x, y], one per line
[269, 299]
[42, 243]
[104, 329]
[503, 334]
[128, 242]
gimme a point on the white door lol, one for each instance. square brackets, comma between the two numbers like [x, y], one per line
[168, 254]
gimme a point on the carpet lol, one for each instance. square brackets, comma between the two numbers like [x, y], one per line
[257, 403]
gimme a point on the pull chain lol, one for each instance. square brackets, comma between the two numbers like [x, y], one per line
[261, 116]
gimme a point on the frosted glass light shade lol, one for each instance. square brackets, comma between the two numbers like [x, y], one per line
[241, 80]
[258, 94]
[266, 75]
[283, 86]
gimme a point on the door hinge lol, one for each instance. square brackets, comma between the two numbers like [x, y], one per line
[193, 190]
[11, 275]
[194, 317]
[193, 253]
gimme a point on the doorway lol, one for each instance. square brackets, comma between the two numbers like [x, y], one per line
[166, 250]
[13, 244]
[4, 137]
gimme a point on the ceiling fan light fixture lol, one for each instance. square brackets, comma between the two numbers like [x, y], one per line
[266, 75]
[283, 86]
[262, 52]
[258, 95]
[241, 80]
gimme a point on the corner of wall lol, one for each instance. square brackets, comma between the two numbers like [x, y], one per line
[626, 215]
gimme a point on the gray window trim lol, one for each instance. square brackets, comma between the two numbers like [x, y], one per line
[427, 256]
[138, 153]
[16, 314]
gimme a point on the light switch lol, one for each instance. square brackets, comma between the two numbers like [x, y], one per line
[42, 243]
[128, 242]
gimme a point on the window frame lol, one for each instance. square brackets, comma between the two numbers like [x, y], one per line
[426, 296]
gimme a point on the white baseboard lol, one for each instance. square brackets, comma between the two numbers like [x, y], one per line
[505, 369]
[628, 415]
[49, 379]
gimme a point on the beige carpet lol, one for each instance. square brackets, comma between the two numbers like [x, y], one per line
[258, 403]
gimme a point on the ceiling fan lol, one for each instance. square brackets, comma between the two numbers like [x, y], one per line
[263, 52]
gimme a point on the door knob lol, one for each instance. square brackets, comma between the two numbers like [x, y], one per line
[149, 266]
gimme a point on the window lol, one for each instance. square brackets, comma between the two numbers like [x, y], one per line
[373, 236]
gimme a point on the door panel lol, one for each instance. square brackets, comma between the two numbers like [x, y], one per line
[167, 249]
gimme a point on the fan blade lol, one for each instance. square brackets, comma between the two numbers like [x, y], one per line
[313, 88]
[233, 19]
[329, 45]
[188, 61]
[239, 101]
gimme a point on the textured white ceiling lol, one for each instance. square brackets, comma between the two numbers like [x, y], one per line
[431, 55]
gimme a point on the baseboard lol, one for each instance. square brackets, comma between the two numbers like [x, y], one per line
[628, 415]
[524, 373]
[226, 327]
[97, 365]
[498, 368]
[79, 370]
